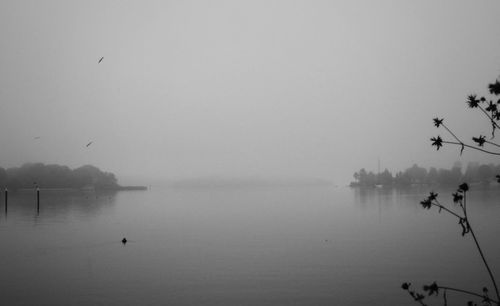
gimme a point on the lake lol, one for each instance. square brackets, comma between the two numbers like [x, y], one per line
[300, 245]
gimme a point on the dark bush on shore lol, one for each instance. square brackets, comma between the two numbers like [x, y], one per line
[415, 175]
[32, 175]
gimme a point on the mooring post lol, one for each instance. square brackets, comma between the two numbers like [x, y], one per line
[38, 200]
[6, 198]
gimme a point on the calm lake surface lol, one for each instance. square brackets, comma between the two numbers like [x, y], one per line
[301, 245]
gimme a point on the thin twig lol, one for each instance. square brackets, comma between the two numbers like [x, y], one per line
[492, 143]
[489, 117]
[466, 292]
[484, 260]
[446, 209]
[478, 246]
[471, 147]
[449, 131]
[464, 209]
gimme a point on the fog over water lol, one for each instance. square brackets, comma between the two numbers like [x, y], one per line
[308, 245]
[282, 89]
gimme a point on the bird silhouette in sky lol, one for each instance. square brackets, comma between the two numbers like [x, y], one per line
[88, 144]
[100, 60]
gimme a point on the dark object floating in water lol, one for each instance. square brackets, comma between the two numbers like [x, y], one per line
[124, 240]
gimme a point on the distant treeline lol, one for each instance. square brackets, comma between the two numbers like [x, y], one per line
[474, 173]
[32, 175]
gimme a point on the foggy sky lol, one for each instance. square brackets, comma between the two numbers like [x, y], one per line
[242, 88]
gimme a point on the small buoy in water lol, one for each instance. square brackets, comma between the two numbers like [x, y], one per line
[124, 240]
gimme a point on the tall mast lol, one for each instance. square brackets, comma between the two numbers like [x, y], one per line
[378, 171]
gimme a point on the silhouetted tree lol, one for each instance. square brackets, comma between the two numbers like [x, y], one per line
[356, 177]
[362, 176]
[432, 176]
[471, 172]
[489, 108]
[416, 174]
[371, 179]
[385, 178]
[91, 176]
[55, 176]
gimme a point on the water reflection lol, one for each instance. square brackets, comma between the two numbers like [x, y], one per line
[366, 197]
[58, 204]
[235, 246]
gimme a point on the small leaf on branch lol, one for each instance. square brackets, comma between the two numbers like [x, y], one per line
[419, 297]
[432, 289]
[432, 196]
[438, 122]
[491, 107]
[426, 203]
[457, 198]
[494, 88]
[486, 298]
[437, 141]
[472, 101]
[479, 140]
[464, 187]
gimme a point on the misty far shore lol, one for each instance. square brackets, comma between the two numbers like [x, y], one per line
[220, 182]
[85, 190]
[475, 174]
[60, 178]
[53, 177]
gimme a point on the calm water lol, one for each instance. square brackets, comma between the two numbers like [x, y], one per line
[238, 246]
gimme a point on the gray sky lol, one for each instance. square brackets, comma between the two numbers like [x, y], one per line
[241, 88]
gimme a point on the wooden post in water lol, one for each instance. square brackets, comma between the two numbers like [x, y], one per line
[6, 198]
[38, 200]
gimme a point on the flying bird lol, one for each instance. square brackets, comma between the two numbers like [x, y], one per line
[100, 60]
[88, 144]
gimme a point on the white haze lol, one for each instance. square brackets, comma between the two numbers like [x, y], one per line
[268, 89]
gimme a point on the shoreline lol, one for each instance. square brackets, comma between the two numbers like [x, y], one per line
[88, 189]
